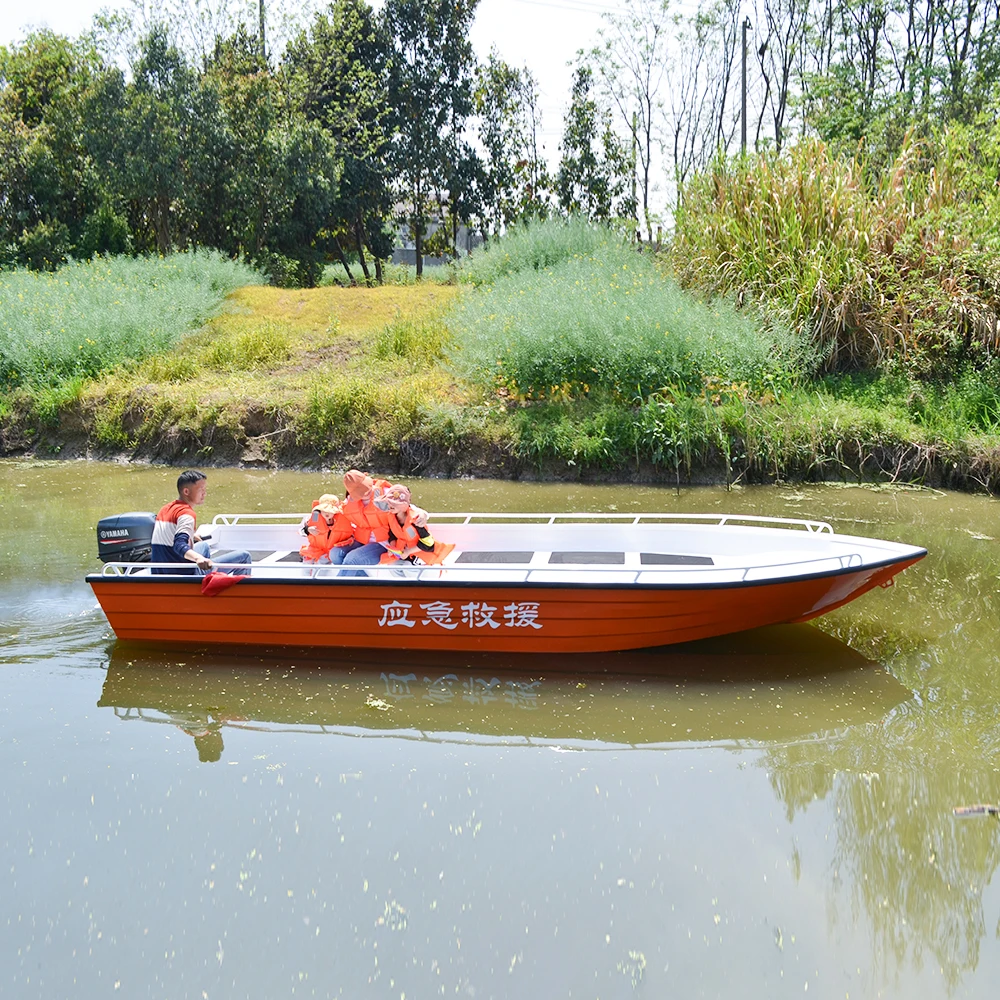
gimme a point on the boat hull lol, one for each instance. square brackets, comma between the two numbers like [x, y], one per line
[510, 618]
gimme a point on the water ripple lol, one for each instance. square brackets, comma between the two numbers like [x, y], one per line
[64, 624]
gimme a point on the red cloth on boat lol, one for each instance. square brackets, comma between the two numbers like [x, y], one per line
[216, 583]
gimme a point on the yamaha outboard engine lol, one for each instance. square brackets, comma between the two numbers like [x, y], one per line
[125, 537]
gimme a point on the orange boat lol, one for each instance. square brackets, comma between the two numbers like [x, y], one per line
[524, 583]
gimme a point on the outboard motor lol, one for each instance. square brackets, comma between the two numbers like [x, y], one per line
[125, 537]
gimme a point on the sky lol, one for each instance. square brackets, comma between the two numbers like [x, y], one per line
[544, 35]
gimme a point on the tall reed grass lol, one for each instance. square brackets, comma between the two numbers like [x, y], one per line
[902, 263]
[88, 317]
[561, 310]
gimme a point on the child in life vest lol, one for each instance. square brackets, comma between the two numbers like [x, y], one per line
[410, 540]
[325, 528]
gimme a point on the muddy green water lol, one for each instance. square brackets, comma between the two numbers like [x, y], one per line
[760, 816]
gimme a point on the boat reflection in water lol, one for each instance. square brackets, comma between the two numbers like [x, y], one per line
[778, 684]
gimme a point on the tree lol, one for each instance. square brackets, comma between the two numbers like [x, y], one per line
[430, 94]
[277, 170]
[48, 188]
[969, 33]
[594, 170]
[461, 169]
[146, 152]
[631, 63]
[780, 57]
[196, 25]
[872, 70]
[537, 182]
[514, 176]
[703, 120]
[338, 75]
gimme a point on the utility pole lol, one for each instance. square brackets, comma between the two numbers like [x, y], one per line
[743, 106]
[263, 47]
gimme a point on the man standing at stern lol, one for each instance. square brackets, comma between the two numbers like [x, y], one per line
[175, 539]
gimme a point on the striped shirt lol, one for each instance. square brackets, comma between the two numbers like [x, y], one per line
[173, 534]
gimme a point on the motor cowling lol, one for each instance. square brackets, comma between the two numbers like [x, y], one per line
[125, 537]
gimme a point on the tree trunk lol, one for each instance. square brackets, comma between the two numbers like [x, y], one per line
[419, 243]
[162, 224]
[358, 232]
[343, 259]
[378, 269]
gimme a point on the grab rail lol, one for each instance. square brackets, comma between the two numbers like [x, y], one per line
[401, 571]
[721, 520]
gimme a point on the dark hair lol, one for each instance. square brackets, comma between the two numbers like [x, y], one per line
[189, 478]
[209, 744]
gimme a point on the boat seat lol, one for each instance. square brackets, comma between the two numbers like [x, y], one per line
[583, 558]
[588, 558]
[494, 557]
[664, 559]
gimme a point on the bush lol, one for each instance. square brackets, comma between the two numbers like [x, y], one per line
[605, 320]
[306, 271]
[536, 246]
[44, 248]
[106, 233]
[966, 403]
[86, 318]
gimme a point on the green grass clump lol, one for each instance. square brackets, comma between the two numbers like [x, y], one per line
[89, 317]
[166, 368]
[253, 346]
[406, 274]
[965, 404]
[392, 274]
[420, 340]
[732, 435]
[536, 246]
[609, 321]
[361, 412]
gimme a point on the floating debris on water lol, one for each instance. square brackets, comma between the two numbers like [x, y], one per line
[981, 809]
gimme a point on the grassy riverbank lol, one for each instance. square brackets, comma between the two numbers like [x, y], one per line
[559, 353]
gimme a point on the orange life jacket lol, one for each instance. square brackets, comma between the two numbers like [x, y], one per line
[405, 543]
[324, 536]
[369, 520]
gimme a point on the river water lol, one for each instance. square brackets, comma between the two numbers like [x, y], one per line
[760, 816]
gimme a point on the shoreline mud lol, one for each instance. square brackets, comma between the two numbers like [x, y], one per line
[274, 446]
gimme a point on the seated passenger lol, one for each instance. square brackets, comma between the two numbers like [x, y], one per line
[174, 537]
[370, 525]
[410, 538]
[326, 528]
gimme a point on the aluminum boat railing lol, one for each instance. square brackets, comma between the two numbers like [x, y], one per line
[486, 573]
[720, 520]
[534, 571]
